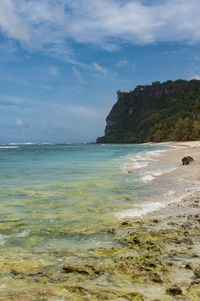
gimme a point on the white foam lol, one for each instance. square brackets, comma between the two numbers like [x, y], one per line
[8, 147]
[22, 143]
[138, 165]
[147, 178]
[42, 143]
[23, 233]
[131, 162]
[152, 174]
[157, 153]
[140, 210]
[159, 172]
[3, 239]
[143, 209]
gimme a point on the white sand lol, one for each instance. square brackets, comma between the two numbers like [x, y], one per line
[183, 183]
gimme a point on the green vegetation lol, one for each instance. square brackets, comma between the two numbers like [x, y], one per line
[159, 112]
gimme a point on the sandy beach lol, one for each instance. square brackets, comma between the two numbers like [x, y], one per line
[169, 237]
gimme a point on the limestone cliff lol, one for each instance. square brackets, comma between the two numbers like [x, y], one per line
[157, 112]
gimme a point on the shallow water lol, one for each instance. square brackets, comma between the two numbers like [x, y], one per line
[50, 195]
[57, 203]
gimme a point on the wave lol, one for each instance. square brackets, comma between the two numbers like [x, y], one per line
[28, 143]
[170, 197]
[24, 233]
[147, 178]
[133, 162]
[145, 208]
[48, 143]
[5, 238]
[140, 210]
[152, 174]
[8, 147]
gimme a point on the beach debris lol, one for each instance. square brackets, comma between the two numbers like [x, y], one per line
[187, 160]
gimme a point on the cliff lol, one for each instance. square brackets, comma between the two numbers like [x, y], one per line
[168, 111]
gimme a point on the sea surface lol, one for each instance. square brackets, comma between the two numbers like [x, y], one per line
[55, 197]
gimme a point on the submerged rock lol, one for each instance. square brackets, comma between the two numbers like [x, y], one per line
[155, 277]
[174, 290]
[125, 223]
[82, 269]
[111, 231]
[20, 267]
[197, 272]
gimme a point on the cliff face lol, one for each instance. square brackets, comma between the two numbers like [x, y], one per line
[159, 112]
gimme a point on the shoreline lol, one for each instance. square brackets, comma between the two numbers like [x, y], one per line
[167, 239]
[164, 169]
[189, 175]
[155, 257]
[182, 180]
[158, 254]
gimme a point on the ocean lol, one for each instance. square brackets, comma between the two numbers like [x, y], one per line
[64, 196]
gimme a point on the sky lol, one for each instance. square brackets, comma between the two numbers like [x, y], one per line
[62, 61]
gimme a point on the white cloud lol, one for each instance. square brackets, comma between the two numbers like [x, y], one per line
[48, 25]
[11, 23]
[100, 69]
[20, 122]
[195, 76]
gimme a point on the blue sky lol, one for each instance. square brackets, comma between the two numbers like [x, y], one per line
[62, 61]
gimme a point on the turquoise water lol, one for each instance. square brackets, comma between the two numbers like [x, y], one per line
[63, 196]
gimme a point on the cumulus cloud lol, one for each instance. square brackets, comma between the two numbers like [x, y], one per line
[50, 25]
